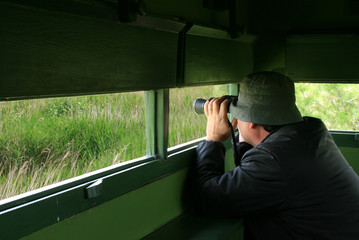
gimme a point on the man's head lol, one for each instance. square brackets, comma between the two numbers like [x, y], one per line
[266, 98]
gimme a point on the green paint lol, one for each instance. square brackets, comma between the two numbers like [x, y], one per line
[130, 216]
[162, 112]
[229, 160]
[352, 156]
[66, 199]
[157, 110]
[88, 8]
[190, 11]
[47, 53]
[345, 138]
[150, 108]
[270, 53]
[194, 227]
[216, 60]
[70, 203]
[232, 89]
[323, 57]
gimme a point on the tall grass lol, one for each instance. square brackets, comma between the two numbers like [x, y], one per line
[48, 140]
[45, 141]
[184, 123]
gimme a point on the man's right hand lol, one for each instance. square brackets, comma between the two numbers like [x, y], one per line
[217, 121]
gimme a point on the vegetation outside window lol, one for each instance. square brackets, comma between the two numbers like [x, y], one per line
[44, 141]
[336, 104]
[184, 124]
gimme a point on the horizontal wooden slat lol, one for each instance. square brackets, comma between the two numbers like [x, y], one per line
[346, 138]
[213, 58]
[49, 53]
[89, 8]
[302, 16]
[323, 58]
[130, 216]
[191, 226]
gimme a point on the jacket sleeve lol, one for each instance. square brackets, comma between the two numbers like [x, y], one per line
[256, 186]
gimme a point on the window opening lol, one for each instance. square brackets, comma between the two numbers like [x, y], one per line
[44, 141]
[336, 104]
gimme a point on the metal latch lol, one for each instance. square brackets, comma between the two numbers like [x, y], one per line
[356, 137]
[94, 190]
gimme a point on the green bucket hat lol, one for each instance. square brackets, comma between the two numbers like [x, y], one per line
[266, 98]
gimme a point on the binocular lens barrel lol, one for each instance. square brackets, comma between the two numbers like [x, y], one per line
[198, 104]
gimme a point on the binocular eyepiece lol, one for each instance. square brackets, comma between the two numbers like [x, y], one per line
[198, 104]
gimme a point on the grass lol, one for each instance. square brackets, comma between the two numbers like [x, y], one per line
[45, 141]
[49, 140]
[184, 123]
[336, 104]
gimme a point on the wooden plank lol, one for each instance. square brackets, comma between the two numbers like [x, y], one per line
[54, 207]
[213, 58]
[184, 10]
[193, 227]
[270, 53]
[323, 58]
[352, 156]
[130, 216]
[302, 17]
[348, 143]
[89, 8]
[46, 53]
[346, 138]
[189, 11]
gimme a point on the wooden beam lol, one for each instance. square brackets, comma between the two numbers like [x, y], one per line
[46, 53]
[212, 57]
[323, 58]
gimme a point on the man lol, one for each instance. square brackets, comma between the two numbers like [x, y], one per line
[291, 181]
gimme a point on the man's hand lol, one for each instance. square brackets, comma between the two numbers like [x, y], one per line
[217, 121]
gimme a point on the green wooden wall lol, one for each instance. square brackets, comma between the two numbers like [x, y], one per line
[81, 47]
[131, 216]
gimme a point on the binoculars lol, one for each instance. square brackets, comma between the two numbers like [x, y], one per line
[198, 104]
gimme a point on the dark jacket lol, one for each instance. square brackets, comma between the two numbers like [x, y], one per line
[295, 184]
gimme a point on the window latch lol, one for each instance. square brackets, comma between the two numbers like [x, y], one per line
[94, 190]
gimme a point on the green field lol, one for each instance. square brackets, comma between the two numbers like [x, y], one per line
[45, 141]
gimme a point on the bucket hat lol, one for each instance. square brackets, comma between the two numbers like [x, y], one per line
[266, 98]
